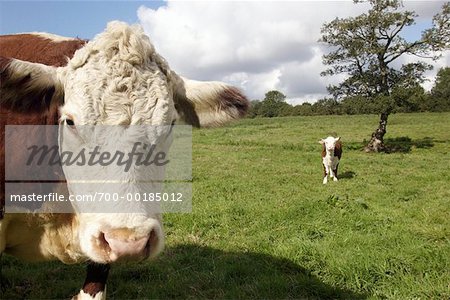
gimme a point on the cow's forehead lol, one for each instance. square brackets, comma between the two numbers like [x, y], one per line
[119, 42]
[117, 79]
[330, 140]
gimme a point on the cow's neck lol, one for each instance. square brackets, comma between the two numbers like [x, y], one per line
[330, 153]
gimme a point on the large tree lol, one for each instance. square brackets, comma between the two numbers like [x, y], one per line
[272, 105]
[365, 48]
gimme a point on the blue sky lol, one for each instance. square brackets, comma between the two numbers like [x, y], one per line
[256, 45]
[87, 18]
[67, 18]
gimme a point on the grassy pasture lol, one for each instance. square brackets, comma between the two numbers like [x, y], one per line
[264, 226]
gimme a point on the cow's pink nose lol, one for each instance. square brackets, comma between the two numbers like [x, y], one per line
[129, 248]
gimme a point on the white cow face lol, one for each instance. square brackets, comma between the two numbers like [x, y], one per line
[114, 226]
[116, 94]
[329, 143]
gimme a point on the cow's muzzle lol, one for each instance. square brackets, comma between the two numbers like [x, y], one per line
[122, 244]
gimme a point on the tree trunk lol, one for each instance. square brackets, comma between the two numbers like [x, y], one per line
[376, 143]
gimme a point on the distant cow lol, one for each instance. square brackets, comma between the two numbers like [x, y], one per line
[115, 79]
[331, 155]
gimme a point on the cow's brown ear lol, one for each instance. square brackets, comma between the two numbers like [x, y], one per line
[26, 86]
[208, 104]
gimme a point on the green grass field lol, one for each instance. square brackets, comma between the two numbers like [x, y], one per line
[264, 226]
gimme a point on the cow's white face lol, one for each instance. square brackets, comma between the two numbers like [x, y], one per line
[112, 225]
[329, 143]
[127, 90]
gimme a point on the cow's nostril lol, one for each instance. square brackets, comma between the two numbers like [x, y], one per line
[151, 242]
[103, 243]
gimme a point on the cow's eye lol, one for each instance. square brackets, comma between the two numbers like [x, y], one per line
[70, 122]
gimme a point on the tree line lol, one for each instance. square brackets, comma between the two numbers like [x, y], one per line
[402, 99]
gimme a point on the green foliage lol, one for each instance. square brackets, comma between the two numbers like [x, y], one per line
[358, 105]
[326, 107]
[406, 99]
[273, 105]
[305, 109]
[440, 94]
[409, 99]
[274, 97]
[254, 109]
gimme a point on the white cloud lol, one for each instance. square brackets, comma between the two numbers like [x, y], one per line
[258, 83]
[256, 45]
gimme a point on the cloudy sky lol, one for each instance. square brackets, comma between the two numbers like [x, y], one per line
[256, 45]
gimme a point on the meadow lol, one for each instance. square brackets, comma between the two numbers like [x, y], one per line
[264, 226]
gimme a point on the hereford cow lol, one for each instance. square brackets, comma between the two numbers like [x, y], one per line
[115, 79]
[331, 155]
